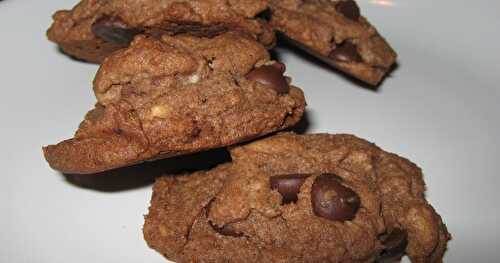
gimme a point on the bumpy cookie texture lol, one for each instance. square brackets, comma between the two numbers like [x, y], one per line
[177, 95]
[95, 28]
[336, 33]
[298, 198]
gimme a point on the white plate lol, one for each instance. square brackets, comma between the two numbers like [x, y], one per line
[440, 109]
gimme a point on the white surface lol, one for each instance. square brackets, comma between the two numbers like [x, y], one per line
[440, 109]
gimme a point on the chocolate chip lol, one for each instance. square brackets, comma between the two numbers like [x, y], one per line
[395, 244]
[270, 76]
[288, 186]
[332, 200]
[113, 30]
[346, 52]
[226, 230]
[349, 9]
[280, 66]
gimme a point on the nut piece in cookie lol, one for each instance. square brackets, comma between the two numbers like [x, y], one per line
[298, 198]
[94, 29]
[174, 95]
[336, 33]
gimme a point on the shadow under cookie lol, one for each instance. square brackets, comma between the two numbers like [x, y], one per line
[304, 125]
[144, 174]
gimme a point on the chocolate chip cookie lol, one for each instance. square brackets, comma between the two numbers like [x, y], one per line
[95, 28]
[298, 198]
[174, 95]
[336, 33]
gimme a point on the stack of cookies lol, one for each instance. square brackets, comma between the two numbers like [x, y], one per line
[179, 77]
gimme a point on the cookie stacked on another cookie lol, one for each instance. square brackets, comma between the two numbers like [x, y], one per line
[169, 96]
[298, 198]
[331, 30]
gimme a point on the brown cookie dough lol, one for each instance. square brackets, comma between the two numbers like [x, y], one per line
[336, 33]
[95, 28]
[176, 95]
[298, 198]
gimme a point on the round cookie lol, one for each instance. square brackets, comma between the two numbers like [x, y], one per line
[336, 33]
[174, 95]
[93, 29]
[297, 198]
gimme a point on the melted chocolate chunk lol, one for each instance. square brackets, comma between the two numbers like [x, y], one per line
[346, 52]
[332, 200]
[226, 230]
[349, 9]
[271, 76]
[114, 30]
[288, 186]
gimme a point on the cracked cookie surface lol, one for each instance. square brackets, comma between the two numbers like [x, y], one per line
[297, 198]
[168, 96]
[336, 33]
[93, 29]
